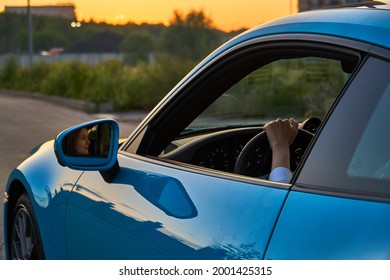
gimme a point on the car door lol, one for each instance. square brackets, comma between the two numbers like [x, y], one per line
[339, 206]
[192, 216]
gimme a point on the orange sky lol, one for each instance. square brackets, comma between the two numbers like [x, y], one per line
[226, 14]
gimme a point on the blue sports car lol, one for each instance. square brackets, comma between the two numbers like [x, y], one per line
[191, 181]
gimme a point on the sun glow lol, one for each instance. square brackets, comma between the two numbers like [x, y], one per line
[225, 14]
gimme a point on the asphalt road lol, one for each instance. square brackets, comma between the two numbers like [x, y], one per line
[26, 122]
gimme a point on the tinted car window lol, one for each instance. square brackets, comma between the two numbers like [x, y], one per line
[352, 153]
[371, 158]
[297, 87]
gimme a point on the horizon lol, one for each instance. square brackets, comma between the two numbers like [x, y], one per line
[226, 15]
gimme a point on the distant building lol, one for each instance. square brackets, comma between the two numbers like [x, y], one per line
[306, 5]
[66, 11]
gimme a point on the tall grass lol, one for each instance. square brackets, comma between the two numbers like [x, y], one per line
[126, 87]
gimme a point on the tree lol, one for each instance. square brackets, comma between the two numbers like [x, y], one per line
[47, 39]
[138, 45]
[191, 36]
[11, 26]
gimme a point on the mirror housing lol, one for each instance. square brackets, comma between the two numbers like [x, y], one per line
[100, 141]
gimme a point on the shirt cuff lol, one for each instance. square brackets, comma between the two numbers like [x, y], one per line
[280, 174]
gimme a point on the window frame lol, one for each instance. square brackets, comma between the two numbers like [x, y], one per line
[153, 143]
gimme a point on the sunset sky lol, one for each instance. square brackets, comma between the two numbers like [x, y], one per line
[226, 14]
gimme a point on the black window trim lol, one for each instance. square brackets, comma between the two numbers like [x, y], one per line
[342, 193]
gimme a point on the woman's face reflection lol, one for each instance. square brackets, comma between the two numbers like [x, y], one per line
[81, 143]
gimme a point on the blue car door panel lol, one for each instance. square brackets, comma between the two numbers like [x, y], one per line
[145, 215]
[314, 226]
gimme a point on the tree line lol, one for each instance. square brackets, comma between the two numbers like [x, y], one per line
[135, 83]
[190, 35]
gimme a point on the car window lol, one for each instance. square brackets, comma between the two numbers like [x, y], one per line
[352, 152]
[250, 92]
[297, 87]
[214, 115]
[371, 158]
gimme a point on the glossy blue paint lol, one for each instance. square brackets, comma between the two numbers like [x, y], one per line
[48, 186]
[313, 226]
[233, 220]
[366, 26]
[360, 25]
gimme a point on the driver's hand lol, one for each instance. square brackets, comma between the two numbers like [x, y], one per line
[281, 134]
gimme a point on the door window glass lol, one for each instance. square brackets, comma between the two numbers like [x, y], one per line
[300, 86]
[297, 87]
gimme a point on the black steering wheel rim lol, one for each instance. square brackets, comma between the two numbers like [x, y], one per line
[255, 159]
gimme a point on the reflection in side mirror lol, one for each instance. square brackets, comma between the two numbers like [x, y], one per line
[89, 146]
[88, 141]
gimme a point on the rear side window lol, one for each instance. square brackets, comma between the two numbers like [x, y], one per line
[352, 153]
[371, 158]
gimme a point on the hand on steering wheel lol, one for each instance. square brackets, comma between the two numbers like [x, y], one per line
[255, 158]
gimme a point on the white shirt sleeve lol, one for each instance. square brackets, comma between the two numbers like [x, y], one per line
[280, 174]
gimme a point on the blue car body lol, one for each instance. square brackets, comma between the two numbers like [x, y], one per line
[156, 207]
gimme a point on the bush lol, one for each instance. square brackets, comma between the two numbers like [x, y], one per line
[67, 79]
[144, 85]
[33, 78]
[127, 87]
[104, 82]
[10, 74]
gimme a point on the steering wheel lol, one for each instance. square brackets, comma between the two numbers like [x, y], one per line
[255, 159]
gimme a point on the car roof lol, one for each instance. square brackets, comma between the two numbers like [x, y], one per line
[368, 23]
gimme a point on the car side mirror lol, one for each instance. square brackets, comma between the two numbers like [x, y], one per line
[89, 146]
